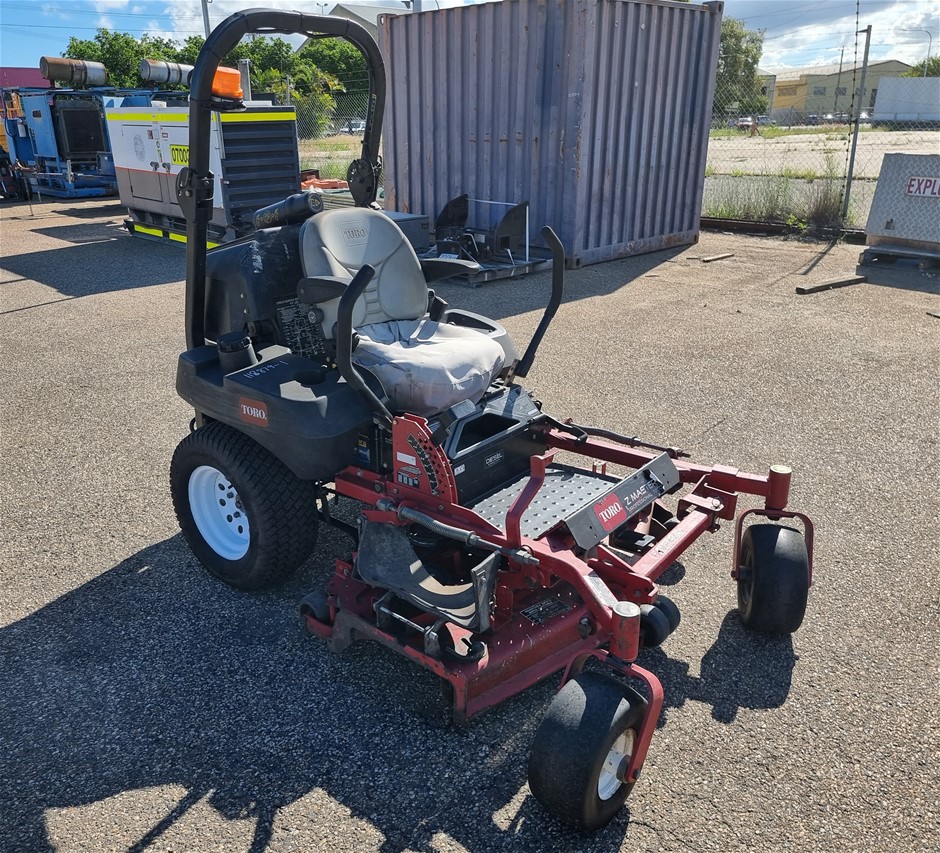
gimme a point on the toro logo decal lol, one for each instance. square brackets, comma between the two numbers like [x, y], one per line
[356, 233]
[253, 412]
[610, 512]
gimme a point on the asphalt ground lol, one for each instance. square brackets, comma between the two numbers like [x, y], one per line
[145, 706]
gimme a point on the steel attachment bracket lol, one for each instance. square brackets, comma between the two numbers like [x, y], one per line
[193, 192]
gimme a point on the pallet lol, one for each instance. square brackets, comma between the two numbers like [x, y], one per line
[539, 259]
[924, 258]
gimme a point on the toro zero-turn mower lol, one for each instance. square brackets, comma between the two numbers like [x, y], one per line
[322, 368]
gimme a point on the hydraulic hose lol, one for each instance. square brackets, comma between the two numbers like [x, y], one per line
[467, 537]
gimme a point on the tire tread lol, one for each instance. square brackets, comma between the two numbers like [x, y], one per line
[283, 512]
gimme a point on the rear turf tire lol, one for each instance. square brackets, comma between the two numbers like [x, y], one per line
[246, 517]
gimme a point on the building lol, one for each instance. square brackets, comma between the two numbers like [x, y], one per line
[368, 16]
[768, 85]
[15, 78]
[810, 95]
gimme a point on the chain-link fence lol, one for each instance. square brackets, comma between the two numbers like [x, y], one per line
[781, 152]
[778, 154]
[330, 128]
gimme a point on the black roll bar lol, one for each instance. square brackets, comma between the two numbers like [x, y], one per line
[194, 185]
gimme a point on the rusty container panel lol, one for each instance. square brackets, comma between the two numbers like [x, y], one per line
[596, 112]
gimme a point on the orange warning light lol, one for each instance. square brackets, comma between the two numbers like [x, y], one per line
[227, 83]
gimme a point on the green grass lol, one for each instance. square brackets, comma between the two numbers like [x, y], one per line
[330, 154]
[807, 201]
[799, 174]
[775, 132]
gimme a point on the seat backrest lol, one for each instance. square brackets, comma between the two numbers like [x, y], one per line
[339, 242]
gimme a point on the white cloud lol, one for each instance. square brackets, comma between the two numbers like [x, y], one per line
[109, 5]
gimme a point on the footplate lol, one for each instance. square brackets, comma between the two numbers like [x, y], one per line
[591, 505]
[566, 489]
[630, 496]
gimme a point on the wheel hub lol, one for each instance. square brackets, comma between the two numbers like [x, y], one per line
[219, 513]
[615, 765]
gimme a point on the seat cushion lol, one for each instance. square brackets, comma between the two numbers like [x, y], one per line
[427, 367]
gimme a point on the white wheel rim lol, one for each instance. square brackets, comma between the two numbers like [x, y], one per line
[218, 513]
[608, 783]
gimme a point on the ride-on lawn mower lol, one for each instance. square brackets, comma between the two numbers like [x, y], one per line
[322, 367]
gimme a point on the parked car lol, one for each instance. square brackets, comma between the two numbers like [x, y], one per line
[352, 126]
[744, 123]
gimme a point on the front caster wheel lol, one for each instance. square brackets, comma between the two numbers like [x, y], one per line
[316, 604]
[582, 748]
[773, 579]
[246, 517]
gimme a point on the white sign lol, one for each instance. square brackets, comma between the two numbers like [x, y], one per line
[929, 187]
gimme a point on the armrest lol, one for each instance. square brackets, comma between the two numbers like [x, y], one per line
[322, 288]
[435, 269]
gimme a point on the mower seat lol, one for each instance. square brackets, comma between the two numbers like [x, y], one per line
[424, 366]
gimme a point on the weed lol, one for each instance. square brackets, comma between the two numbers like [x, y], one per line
[759, 198]
[799, 174]
[824, 209]
[795, 223]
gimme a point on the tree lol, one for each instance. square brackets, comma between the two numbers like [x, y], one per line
[341, 59]
[345, 64]
[933, 68]
[189, 50]
[273, 63]
[120, 53]
[271, 58]
[737, 81]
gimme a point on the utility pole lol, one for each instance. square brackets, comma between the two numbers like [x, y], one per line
[205, 16]
[835, 105]
[858, 115]
[929, 42]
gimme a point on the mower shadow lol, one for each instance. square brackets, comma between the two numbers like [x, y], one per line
[503, 298]
[101, 261]
[84, 232]
[742, 669]
[116, 209]
[153, 674]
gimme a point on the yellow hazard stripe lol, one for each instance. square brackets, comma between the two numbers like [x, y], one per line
[285, 115]
[157, 232]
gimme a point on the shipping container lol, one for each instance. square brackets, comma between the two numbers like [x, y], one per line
[595, 112]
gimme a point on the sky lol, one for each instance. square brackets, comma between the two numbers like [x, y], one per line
[798, 33]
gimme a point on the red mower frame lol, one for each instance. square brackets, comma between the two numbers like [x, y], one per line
[603, 592]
